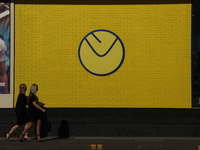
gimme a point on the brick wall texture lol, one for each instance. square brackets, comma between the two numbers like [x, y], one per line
[156, 71]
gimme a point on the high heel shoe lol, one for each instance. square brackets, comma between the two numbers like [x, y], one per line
[21, 139]
[38, 139]
[26, 138]
[6, 137]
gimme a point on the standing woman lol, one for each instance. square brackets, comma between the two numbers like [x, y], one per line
[21, 113]
[33, 108]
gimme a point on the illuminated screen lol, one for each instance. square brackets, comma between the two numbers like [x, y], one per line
[106, 56]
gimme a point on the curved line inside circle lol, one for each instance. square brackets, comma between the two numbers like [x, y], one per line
[96, 52]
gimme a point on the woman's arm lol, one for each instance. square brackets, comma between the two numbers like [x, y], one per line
[38, 107]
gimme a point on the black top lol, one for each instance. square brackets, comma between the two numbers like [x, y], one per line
[21, 104]
[31, 107]
[32, 110]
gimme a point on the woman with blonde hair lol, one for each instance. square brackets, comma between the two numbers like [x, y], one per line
[20, 109]
[33, 108]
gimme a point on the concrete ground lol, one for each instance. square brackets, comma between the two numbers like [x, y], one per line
[104, 143]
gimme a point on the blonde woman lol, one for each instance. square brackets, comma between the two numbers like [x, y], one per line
[20, 109]
[33, 108]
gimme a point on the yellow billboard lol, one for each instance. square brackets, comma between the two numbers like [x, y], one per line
[105, 56]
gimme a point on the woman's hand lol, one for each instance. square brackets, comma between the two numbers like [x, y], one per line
[38, 107]
[43, 110]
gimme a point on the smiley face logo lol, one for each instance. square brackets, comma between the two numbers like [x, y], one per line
[101, 52]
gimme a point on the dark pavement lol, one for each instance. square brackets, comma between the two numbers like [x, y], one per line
[104, 143]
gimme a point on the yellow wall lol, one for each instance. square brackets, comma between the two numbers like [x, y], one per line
[156, 72]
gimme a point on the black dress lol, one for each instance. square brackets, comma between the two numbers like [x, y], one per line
[20, 109]
[32, 110]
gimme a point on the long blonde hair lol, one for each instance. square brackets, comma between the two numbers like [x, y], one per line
[33, 90]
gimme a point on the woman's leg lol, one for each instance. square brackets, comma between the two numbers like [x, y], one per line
[14, 128]
[11, 131]
[26, 134]
[29, 125]
[38, 129]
